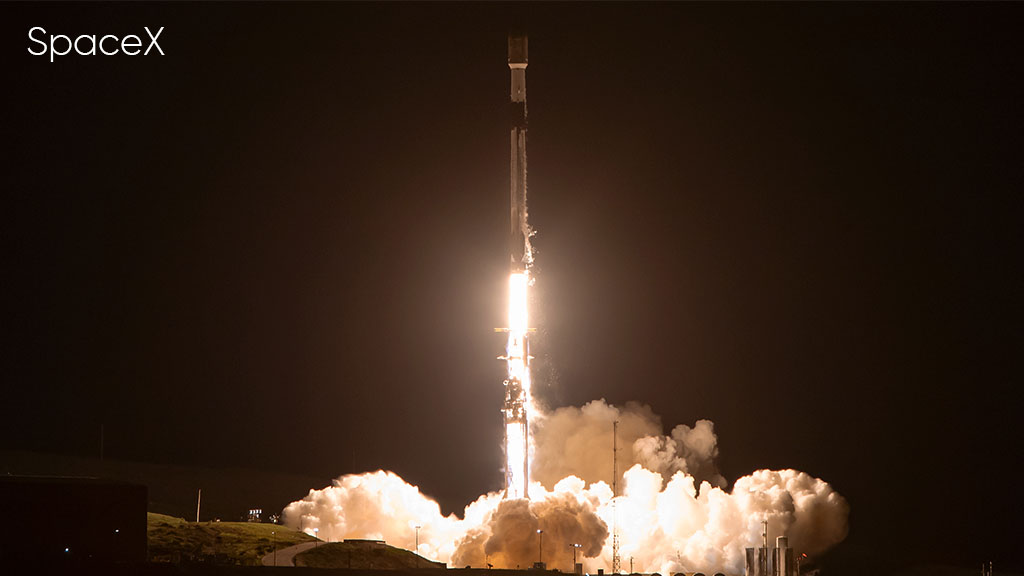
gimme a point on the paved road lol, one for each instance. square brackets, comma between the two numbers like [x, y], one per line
[286, 556]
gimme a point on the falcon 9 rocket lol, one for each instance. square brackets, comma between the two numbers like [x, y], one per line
[517, 351]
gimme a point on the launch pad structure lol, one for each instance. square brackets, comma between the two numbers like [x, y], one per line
[517, 351]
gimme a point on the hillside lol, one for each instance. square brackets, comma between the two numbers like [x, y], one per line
[362, 555]
[174, 539]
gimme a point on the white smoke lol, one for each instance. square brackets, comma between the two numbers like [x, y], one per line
[678, 528]
[672, 513]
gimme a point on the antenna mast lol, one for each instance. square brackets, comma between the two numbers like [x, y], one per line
[765, 564]
[616, 561]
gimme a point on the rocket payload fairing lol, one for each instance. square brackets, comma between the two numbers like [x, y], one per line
[517, 351]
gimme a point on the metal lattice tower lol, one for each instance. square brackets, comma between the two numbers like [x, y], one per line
[616, 561]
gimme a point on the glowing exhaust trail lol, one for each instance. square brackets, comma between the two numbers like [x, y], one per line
[517, 391]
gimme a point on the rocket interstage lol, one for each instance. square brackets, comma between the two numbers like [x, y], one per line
[517, 350]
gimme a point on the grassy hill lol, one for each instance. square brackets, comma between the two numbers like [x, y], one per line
[174, 539]
[361, 556]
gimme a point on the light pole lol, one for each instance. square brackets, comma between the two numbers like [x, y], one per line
[574, 547]
[631, 565]
[273, 534]
[418, 545]
[540, 547]
[316, 534]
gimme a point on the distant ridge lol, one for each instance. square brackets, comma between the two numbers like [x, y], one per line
[228, 493]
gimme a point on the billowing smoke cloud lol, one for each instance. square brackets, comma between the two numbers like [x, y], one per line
[577, 441]
[381, 506]
[672, 513]
[568, 515]
[678, 528]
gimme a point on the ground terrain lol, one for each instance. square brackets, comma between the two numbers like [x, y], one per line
[360, 557]
[175, 540]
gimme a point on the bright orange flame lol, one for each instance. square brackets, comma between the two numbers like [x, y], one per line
[518, 322]
[518, 319]
[518, 362]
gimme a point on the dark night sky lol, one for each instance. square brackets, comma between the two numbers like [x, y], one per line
[281, 245]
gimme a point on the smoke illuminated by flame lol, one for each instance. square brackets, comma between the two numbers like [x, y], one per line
[674, 513]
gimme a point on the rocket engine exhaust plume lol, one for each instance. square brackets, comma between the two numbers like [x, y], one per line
[518, 407]
[668, 519]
